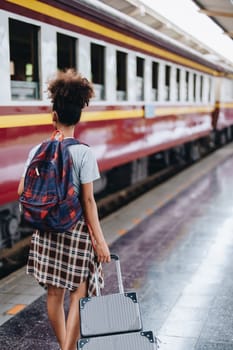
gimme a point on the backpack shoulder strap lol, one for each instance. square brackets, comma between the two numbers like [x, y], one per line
[70, 141]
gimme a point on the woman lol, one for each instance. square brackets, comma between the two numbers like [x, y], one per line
[65, 261]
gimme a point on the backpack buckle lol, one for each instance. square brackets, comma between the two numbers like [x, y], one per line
[57, 135]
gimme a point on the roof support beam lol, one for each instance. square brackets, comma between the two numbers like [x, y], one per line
[216, 13]
[230, 34]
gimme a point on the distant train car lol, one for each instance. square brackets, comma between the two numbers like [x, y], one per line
[223, 113]
[152, 95]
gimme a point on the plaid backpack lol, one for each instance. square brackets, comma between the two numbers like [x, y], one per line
[49, 201]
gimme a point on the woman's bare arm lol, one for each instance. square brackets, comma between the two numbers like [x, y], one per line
[91, 216]
[21, 186]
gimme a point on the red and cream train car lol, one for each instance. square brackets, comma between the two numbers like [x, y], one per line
[152, 94]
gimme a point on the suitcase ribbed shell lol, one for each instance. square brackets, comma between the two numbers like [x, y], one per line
[127, 341]
[110, 314]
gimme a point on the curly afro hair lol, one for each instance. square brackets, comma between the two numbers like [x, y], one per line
[69, 93]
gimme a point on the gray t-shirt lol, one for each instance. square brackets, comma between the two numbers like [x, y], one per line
[85, 168]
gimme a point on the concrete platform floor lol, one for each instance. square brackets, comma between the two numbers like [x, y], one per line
[179, 259]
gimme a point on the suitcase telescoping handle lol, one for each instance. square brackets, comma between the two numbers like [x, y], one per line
[119, 276]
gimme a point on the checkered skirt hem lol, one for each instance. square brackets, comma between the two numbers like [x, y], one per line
[64, 259]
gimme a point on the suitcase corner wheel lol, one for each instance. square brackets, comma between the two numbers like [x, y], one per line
[128, 341]
[119, 312]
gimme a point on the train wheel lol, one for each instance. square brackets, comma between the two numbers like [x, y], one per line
[193, 151]
[229, 134]
[9, 230]
[212, 140]
[139, 170]
[222, 138]
[179, 155]
[167, 158]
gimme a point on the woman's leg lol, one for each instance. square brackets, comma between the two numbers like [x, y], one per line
[73, 320]
[56, 313]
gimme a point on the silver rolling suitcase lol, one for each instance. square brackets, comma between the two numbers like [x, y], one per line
[126, 341]
[112, 313]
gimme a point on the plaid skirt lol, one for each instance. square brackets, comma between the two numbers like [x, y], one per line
[64, 259]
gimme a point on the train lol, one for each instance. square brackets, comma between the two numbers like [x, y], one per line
[154, 98]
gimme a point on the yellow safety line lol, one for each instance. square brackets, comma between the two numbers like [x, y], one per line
[136, 220]
[122, 232]
[15, 309]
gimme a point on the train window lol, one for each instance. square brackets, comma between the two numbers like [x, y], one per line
[121, 58]
[155, 77]
[66, 52]
[24, 66]
[201, 87]
[194, 86]
[97, 70]
[178, 84]
[186, 86]
[167, 82]
[140, 79]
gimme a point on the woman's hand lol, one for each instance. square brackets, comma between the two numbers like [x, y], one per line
[102, 252]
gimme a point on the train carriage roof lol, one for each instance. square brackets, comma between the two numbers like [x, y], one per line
[135, 20]
[221, 12]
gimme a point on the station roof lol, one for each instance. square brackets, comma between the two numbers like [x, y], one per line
[221, 12]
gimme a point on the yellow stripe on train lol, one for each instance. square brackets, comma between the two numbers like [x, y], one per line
[17, 120]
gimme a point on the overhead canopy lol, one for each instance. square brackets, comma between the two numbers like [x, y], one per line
[220, 11]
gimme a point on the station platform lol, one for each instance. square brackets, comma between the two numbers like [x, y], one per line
[176, 249]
